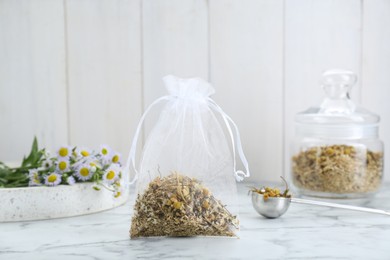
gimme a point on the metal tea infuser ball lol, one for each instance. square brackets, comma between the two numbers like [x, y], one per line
[274, 207]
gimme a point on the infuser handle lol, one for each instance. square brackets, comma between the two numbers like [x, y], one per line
[340, 206]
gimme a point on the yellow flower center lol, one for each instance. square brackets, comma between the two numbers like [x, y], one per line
[62, 165]
[84, 172]
[84, 153]
[110, 175]
[52, 178]
[63, 151]
[117, 194]
[104, 151]
[115, 159]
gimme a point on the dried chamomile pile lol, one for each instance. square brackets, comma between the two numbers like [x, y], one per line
[177, 205]
[338, 168]
[269, 192]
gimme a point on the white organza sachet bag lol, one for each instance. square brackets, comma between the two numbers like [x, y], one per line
[186, 177]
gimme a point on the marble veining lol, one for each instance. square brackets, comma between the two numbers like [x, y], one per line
[304, 232]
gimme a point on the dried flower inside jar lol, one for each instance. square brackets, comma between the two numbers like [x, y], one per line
[338, 169]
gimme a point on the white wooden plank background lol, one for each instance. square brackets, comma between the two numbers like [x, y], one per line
[83, 71]
[32, 76]
[175, 41]
[246, 67]
[104, 65]
[376, 66]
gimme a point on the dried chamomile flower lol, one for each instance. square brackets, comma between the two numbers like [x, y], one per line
[177, 205]
[338, 169]
[269, 192]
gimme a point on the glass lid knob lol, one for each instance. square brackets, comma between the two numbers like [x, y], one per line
[337, 84]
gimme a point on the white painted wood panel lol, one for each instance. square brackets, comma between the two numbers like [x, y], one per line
[175, 41]
[32, 76]
[376, 66]
[319, 35]
[104, 72]
[246, 68]
[83, 71]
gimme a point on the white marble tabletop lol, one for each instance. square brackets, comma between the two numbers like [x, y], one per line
[304, 232]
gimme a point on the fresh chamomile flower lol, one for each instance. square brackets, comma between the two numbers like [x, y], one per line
[84, 172]
[105, 152]
[47, 163]
[70, 180]
[34, 182]
[115, 158]
[83, 152]
[33, 173]
[64, 151]
[93, 164]
[63, 164]
[34, 178]
[53, 179]
[111, 174]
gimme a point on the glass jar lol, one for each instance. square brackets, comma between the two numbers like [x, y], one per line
[337, 152]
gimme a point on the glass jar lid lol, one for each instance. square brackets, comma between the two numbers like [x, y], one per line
[337, 116]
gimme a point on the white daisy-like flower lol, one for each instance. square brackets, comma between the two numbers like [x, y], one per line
[63, 164]
[84, 172]
[70, 180]
[47, 163]
[64, 151]
[33, 173]
[94, 164]
[105, 151]
[83, 152]
[115, 158]
[111, 174]
[53, 179]
[91, 161]
[34, 178]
